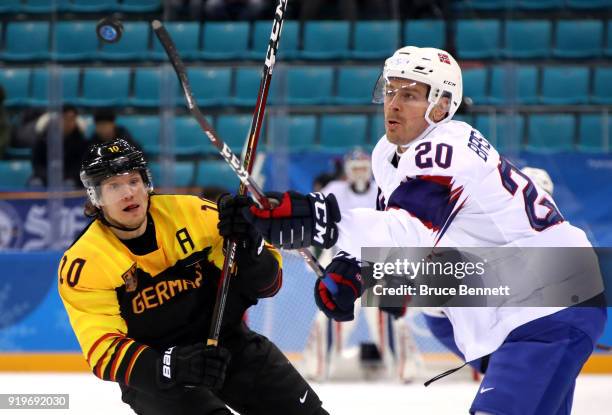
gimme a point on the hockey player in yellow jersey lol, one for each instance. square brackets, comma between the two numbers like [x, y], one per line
[139, 286]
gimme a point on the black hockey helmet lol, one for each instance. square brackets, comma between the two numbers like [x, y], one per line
[110, 159]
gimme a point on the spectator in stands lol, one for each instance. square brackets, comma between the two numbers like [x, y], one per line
[5, 127]
[234, 9]
[106, 129]
[74, 146]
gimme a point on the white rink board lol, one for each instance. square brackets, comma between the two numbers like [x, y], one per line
[91, 396]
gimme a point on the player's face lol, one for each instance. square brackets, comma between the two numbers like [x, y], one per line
[125, 200]
[405, 105]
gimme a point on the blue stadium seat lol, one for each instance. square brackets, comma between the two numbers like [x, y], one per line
[16, 83]
[602, 86]
[375, 39]
[463, 118]
[145, 129]
[551, 132]
[288, 48]
[325, 40]
[527, 39]
[10, 6]
[210, 86]
[540, 4]
[148, 87]
[297, 132]
[40, 86]
[589, 4]
[343, 131]
[592, 133]
[377, 127]
[608, 50]
[478, 39]
[306, 85]
[92, 6]
[565, 85]
[482, 4]
[355, 85]
[425, 33]
[504, 132]
[105, 87]
[26, 41]
[475, 85]
[247, 85]
[75, 40]
[514, 84]
[44, 6]
[216, 173]
[14, 174]
[578, 38]
[140, 6]
[134, 43]
[225, 40]
[179, 173]
[233, 129]
[185, 36]
[189, 139]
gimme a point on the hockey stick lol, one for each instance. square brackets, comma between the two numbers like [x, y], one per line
[233, 161]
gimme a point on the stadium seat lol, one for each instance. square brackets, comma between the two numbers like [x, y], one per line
[140, 6]
[179, 173]
[75, 40]
[26, 41]
[296, 132]
[288, 48]
[375, 39]
[513, 85]
[540, 4]
[210, 86]
[189, 140]
[305, 85]
[148, 87]
[578, 38]
[478, 39]
[602, 86]
[551, 132]
[10, 6]
[185, 36]
[44, 6]
[14, 174]
[92, 6]
[505, 132]
[40, 86]
[608, 50]
[425, 33]
[593, 134]
[481, 4]
[233, 129]
[325, 40]
[355, 85]
[588, 4]
[527, 39]
[463, 118]
[105, 87]
[247, 85]
[134, 43]
[341, 132]
[377, 127]
[565, 85]
[475, 85]
[216, 173]
[16, 83]
[145, 129]
[225, 40]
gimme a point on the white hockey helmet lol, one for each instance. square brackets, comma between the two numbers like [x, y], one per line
[358, 168]
[434, 67]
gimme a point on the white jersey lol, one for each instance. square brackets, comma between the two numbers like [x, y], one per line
[349, 199]
[452, 188]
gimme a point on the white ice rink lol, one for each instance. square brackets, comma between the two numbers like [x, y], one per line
[91, 396]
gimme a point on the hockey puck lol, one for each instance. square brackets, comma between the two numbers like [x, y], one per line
[109, 29]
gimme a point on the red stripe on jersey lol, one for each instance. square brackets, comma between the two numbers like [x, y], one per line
[100, 340]
[116, 360]
[128, 372]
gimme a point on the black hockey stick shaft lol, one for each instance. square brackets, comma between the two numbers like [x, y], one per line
[233, 161]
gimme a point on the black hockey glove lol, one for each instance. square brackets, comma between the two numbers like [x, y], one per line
[298, 221]
[233, 225]
[193, 366]
[336, 292]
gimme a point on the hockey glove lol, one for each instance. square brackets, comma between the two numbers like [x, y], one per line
[193, 366]
[298, 221]
[233, 225]
[336, 292]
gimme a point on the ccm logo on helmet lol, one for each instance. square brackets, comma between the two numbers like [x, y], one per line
[449, 83]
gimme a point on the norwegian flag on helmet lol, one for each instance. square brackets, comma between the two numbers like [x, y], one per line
[444, 58]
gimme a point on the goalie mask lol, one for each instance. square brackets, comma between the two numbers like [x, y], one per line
[433, 67]
[358, 169]
[103, 161]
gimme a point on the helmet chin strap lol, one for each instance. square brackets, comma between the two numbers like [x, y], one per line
[121, 228]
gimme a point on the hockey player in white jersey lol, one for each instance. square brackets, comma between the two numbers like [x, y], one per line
[443, 183]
